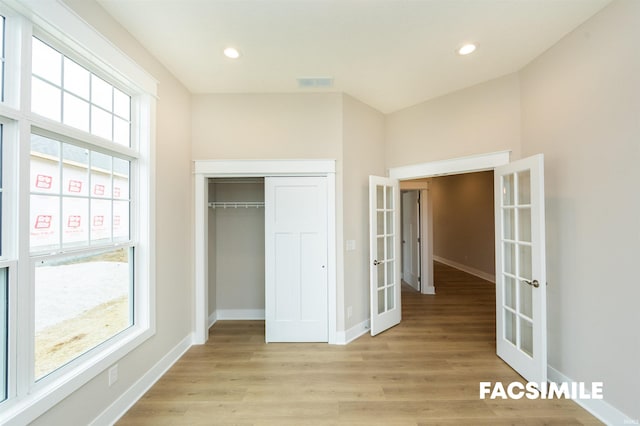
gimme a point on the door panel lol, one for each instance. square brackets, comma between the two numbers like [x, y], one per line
[521, 333]
[296, 308]
[384, 227]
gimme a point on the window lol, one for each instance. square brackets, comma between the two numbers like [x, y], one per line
[65, 91]
[76, 225]
[79, 200]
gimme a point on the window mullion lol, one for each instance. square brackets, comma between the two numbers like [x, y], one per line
[24, 314]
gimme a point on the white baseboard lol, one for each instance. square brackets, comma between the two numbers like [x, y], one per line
[601, 409]
[121, 405]
[348, 336]
[468, 269]
[429, 290]
[239, 314]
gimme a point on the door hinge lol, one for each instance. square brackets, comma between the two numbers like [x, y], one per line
[419, 279]
[418, 239]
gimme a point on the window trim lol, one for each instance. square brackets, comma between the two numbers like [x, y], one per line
[28, 399]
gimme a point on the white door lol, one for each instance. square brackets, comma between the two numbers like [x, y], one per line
[411, 239]
[384, 247]
[521, 316]
[296, 307]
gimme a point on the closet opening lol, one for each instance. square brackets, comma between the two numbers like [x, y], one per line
[236, 249]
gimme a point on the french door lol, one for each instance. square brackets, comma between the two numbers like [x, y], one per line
[384, 247]
[296, 305]
[521, 329]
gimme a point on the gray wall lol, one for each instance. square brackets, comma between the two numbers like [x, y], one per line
[236, 265]
[581, 108]
[463, 220]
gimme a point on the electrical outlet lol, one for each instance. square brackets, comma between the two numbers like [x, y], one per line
[349, 312]
[113, 374]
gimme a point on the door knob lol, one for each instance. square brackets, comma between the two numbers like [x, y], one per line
[533, 283]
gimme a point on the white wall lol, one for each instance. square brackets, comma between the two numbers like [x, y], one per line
[174, 232]
[581, 108]
[481, 119]
[363, 135]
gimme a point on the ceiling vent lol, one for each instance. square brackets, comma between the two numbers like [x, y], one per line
[315, 82]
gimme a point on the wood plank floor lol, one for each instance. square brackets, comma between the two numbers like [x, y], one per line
[425, 371]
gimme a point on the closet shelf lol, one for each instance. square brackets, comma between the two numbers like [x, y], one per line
[236, 204]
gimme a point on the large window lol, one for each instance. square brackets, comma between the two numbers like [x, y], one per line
[79, 200]
[76, 262]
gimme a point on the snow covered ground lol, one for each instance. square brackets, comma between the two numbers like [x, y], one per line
[65, 291]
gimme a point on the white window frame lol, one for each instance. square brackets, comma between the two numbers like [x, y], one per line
[54, 22]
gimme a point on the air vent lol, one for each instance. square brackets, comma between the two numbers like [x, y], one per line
[315, 82]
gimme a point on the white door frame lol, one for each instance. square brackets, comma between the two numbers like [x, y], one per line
[454, 166]
[426, 234]
[205, 169]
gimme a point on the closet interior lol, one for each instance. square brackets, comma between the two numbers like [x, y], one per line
[236, 248]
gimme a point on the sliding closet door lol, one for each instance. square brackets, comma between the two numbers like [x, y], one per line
[296, 259]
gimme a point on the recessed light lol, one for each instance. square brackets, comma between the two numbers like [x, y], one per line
[231, 53]
[467, 49]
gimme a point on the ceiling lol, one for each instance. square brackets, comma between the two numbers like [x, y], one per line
[390, 54]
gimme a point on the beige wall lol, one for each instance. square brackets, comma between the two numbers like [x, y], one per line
[363, 138]
[463, 220]
[481, 119]
[581, 108]
[174, 232]
[247, 126]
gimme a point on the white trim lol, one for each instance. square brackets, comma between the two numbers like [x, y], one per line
[239, 314]
[426, 245]
[121, 405]
[201, 273]
[346, 337]
[474, 163]
[249, 168]
[205, 169]
[465, 268]
[428, 289]
[601, 409]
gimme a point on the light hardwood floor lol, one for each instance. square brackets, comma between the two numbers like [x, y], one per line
[425, 371]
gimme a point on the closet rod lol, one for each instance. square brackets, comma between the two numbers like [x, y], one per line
[236, 204]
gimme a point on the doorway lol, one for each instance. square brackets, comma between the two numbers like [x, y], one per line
[237, 169]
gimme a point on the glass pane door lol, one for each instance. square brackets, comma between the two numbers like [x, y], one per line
[520, 267]
[385, 249]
